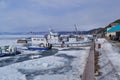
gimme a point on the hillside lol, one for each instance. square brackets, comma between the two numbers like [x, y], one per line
[109, 25]
[92, 31]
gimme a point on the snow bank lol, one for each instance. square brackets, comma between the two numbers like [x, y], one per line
[109, 60]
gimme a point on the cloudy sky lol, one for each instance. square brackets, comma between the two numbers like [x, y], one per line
[61, 15]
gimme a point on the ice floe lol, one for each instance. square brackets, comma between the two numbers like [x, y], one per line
[65, 65]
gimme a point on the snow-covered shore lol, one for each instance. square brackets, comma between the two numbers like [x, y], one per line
[109, 60]
[66, 64]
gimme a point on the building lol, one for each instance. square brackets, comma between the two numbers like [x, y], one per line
[114, 31]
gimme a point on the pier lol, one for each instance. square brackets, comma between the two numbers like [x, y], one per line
[88, 73]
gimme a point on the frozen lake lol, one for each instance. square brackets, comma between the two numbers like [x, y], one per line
[56, 64]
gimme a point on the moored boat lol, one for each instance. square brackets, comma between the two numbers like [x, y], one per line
[38, 48]
[39, 44]
[8, 51]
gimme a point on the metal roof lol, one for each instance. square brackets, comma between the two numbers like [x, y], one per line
[114, 28]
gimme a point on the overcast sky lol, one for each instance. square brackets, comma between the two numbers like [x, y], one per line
[61, 15]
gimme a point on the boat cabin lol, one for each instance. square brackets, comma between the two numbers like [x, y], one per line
[38, 41]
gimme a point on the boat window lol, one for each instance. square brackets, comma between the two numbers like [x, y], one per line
[34, 39]
[38, 39]
[42, 39]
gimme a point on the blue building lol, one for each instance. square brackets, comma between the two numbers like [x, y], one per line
[114, 31]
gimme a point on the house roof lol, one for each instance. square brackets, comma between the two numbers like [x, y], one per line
[110, 25]
[114, 28]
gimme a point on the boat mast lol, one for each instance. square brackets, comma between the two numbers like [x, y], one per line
[76, 29]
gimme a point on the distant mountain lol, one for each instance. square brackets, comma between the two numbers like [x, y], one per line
[11, 33]
[92, 31]
[60, 32]
[23, 33]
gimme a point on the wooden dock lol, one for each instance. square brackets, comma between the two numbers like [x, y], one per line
[89, 68]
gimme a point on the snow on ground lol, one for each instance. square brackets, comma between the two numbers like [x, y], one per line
[41, 64]
[64, 65]
[9, 73]
[77, 66]
[52, 77]
[109, 60]
[74, 52]
[8, 42]
[14, 71]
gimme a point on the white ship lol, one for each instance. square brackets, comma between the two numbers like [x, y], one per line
[55, 39]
